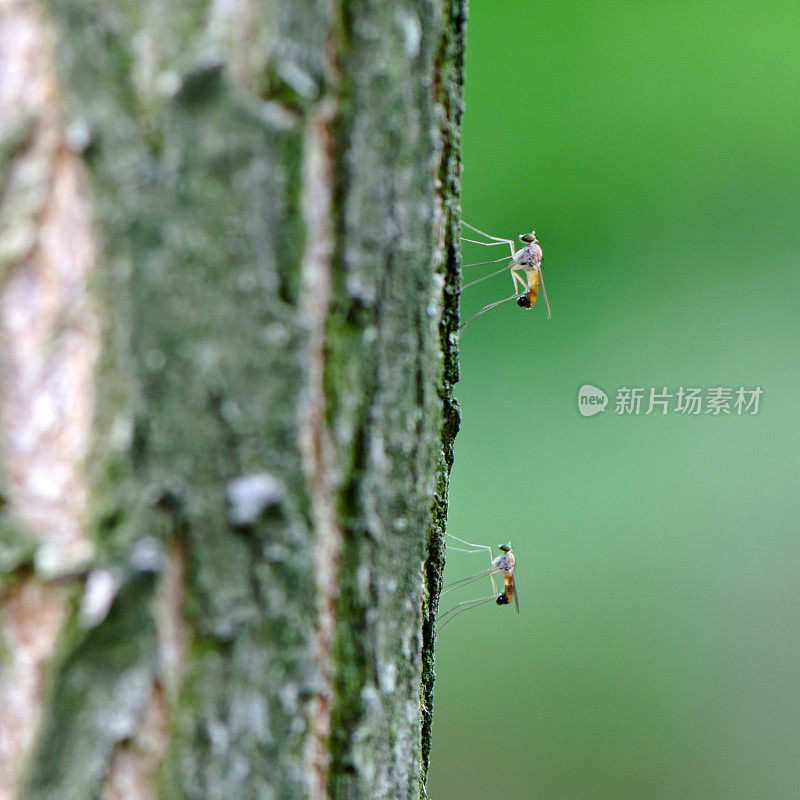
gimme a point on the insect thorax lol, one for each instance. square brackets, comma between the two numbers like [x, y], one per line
[530, 256]
[505, 562]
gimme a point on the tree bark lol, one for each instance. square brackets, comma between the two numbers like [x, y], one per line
[228, 316]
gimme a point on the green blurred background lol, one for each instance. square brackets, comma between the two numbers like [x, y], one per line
[655, 147]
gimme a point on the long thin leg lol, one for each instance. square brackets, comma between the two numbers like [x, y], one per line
[462, 582]
[485, 244]
[480, 263]
[478, 548]
[489, 236]
[464, 605]
[517, 277]
[459, 608]
[489, 308]
[486, 277]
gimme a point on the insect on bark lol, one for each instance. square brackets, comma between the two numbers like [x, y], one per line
[527, 260]
[501, 566]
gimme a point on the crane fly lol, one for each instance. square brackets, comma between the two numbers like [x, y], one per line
[527, 260]
[502, 566]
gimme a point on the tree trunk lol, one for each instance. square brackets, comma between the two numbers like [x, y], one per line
[228, 307]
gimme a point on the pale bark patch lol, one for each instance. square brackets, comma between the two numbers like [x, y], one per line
[172, 636]
[32, 617]
[48, 347]
[135, 764]
[48, 328]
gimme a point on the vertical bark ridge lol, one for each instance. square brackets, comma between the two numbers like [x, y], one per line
[449, 96]
[319, 457]
[48, 346]
[385, 338]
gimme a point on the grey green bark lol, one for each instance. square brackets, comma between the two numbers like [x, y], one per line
[221, 521]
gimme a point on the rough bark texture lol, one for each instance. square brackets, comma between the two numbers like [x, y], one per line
[228, 313]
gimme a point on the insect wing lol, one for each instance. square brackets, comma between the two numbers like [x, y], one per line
[458, 584]
[514, 589]
[544, 292]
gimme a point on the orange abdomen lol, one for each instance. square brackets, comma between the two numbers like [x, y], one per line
[533, 286]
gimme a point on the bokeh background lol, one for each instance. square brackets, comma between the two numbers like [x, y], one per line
[655, 147]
